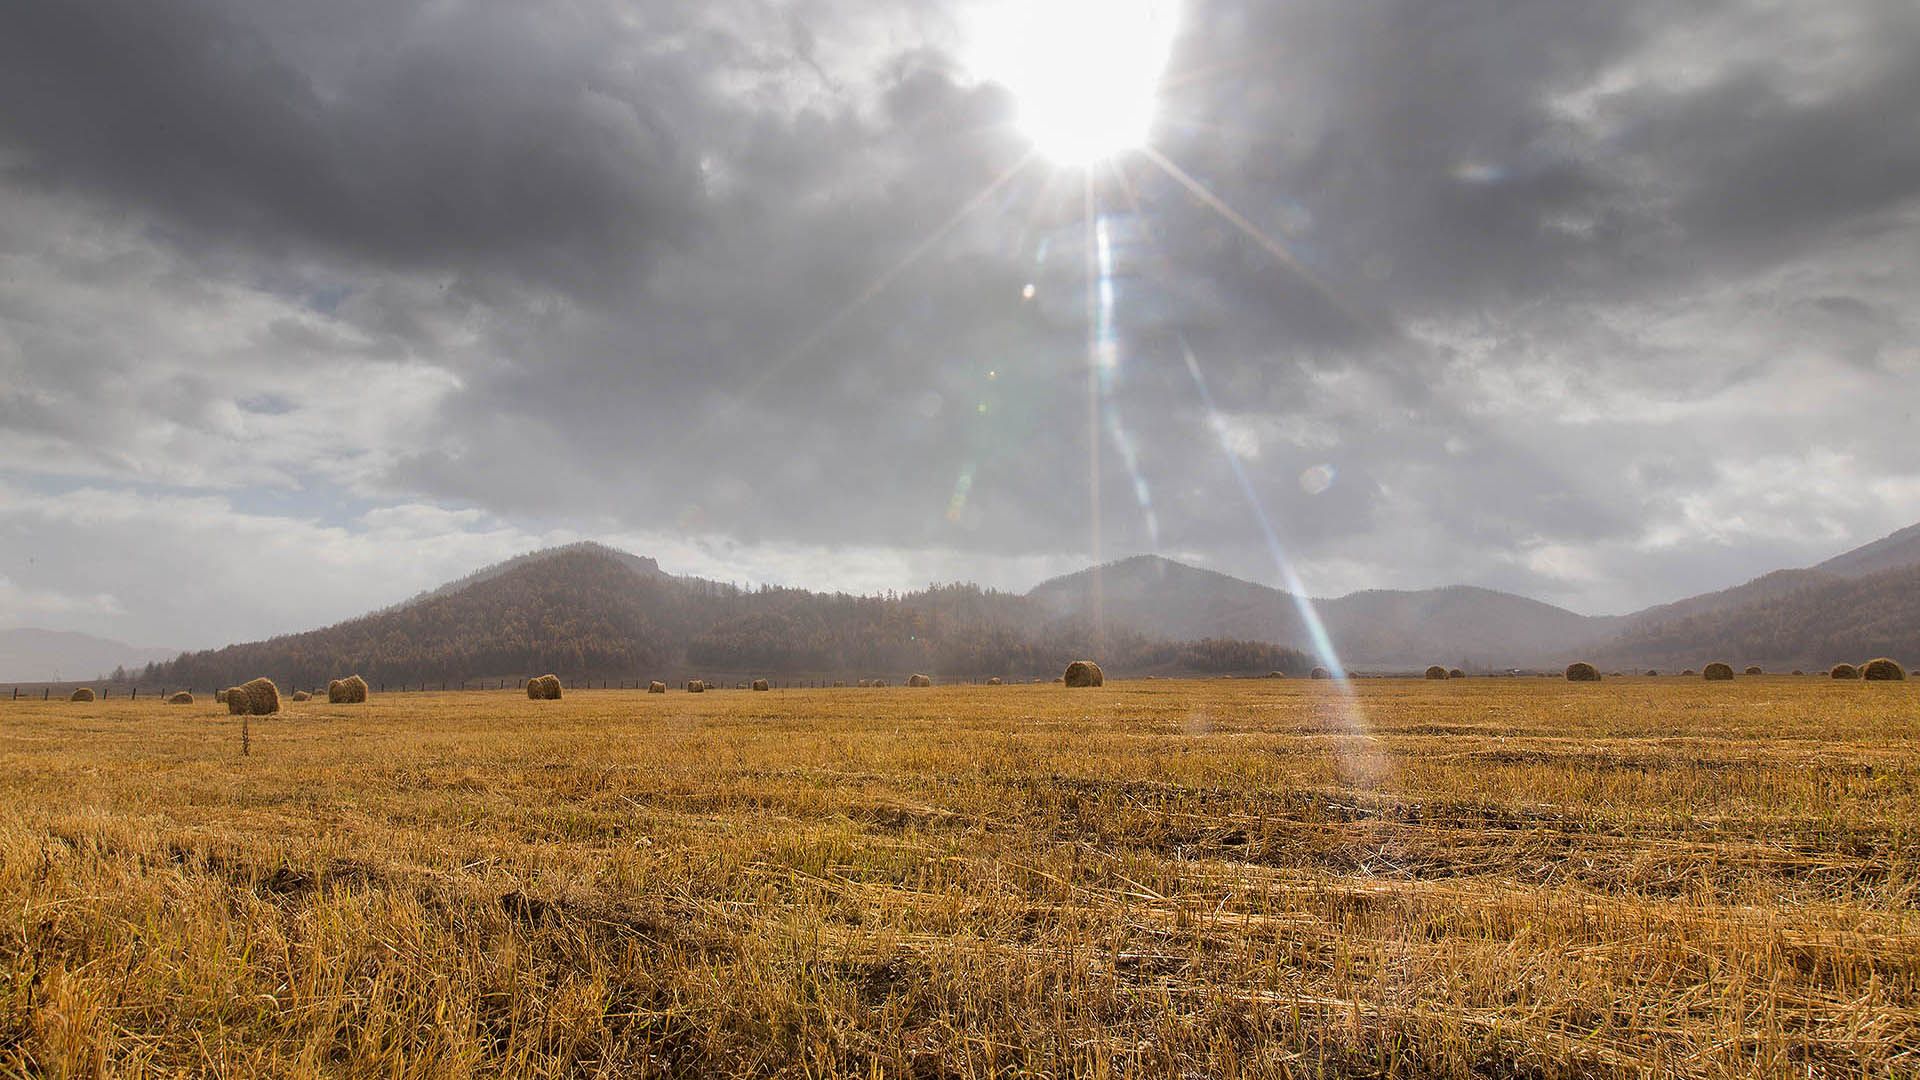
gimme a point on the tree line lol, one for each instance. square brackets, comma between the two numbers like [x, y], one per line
[588, 613]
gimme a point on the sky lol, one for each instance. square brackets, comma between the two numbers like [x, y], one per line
[307, 307]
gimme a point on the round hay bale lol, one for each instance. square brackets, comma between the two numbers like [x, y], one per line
[995, 681]
[878, 683]
[1436, 672]
[1719, 672]
[543, 688]
[180, 697]
[864, 684]
[1652, 674]
[656, 687]
[261, 696]
[1270, 675]
[236, 700]
[1059, 680]
[695, 686]
[1689, 673]
[1083, 673]
[1581, 671]
[1882, 669]
[919, 680]
[220, 697]
[1797, 671]
[351, 690]
[1456, 673]
[1321, 673]
[1755, 669]
[84, 693]
[333, 691]
[1844, 671]
[761, 684]
[302, 695]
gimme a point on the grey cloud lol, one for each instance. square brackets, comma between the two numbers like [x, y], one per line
[493, 138]
[1547, 290]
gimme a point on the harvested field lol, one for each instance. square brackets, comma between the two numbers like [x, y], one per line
[1496, 877]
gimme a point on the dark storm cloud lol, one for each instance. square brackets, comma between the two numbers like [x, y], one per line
[1565, 283]
[512, 141]
[1479, 151]
[1763, 174]
[1411, 148]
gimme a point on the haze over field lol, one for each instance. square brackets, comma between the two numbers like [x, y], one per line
[317, 306]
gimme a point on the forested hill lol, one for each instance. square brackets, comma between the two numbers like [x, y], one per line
[1468, 627]
[1823, 621]
[587, 611]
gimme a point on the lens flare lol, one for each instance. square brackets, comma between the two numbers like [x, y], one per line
[957, 505]
[1106, 362]
[1309, 616]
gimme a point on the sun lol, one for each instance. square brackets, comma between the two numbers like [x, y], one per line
[1085, 74]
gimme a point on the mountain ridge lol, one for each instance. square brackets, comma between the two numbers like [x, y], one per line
[590, 611]
[1467, 625]
[1896, 549]
[607, 610]
[31, 654]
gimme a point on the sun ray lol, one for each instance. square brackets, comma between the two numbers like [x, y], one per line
[1253, 232]
[879, 284]
[1320, 639]
[1096, 598]
[1107, 362]
[1309, 615]
[887, 277]
[1178, 79]
[1245, 136]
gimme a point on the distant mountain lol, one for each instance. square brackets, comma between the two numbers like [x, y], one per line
[29, 655]
[1854, 603]
[1175, 600]
[1458, 625]
[638, 564]
[1765, 587]
[588, 611]
[582, 608]
[1861, 601]
[1822, 620]
[1901, 549]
